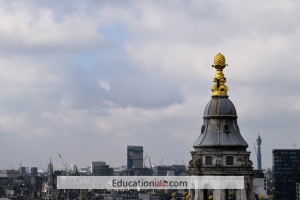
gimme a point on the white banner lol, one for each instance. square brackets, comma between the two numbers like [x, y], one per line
[150, 182]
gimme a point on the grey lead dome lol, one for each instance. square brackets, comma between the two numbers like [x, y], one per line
[220, 106]
[220, 126]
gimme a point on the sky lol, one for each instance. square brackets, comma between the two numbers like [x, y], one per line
[87, 78]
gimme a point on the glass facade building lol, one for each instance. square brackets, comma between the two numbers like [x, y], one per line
[286, 173]
[135, 157]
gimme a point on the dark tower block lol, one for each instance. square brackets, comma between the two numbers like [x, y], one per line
[220, 149]
[135, 157]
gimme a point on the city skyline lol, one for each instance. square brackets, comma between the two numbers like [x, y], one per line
[88, 78]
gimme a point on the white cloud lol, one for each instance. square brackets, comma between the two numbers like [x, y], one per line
[104, 85]
[37, 29]
[157, 57]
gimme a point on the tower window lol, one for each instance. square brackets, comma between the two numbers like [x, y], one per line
[203, 128]
[229, 160]
[208, 160]
[226, 128]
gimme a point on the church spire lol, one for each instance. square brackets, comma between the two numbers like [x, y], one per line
[50, 168]
[219, 88]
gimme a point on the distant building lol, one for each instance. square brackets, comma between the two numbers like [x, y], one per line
[135, 172]
[9, 173]
[269, 175]
[36, 185]
[135, 157]
[96, 164]
[103, 170]
[179, 169]
[161, 170]
[100, 168]
[23, 171]
[33, 171]
[286, 173]
[49, 188]
[260, 184]
[85, 170]
[164, 170]
[73, 167]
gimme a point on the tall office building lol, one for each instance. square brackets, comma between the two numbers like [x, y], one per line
[100, 168]
[220, 149]
[103, 170]
[33, 171]
[286, 173]
[135, 157]
[96, 164]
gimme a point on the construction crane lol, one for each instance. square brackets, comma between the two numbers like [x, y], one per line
[65, 165]
[145, 159]
[161, 161]
[11, 167]
[150, 163]
[255, 149]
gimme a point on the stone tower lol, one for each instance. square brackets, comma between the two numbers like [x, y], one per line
[258, 141]
[220, 149]
[49, 187]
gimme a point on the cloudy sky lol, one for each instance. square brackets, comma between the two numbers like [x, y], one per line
[88, 78]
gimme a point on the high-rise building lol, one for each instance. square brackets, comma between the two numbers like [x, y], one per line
[100, 168]
[135, 157]
[96, 164]
[103, 170]
[220, 149]
[23, 171]
[286, 173]
[33, 171]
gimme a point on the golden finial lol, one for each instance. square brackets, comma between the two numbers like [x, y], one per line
[219, 88]
[219, 60]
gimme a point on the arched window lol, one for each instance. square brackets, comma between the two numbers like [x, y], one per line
[229, 160]
[208, 160]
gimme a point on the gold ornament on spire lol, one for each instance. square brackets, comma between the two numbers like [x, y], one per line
[219, 88]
